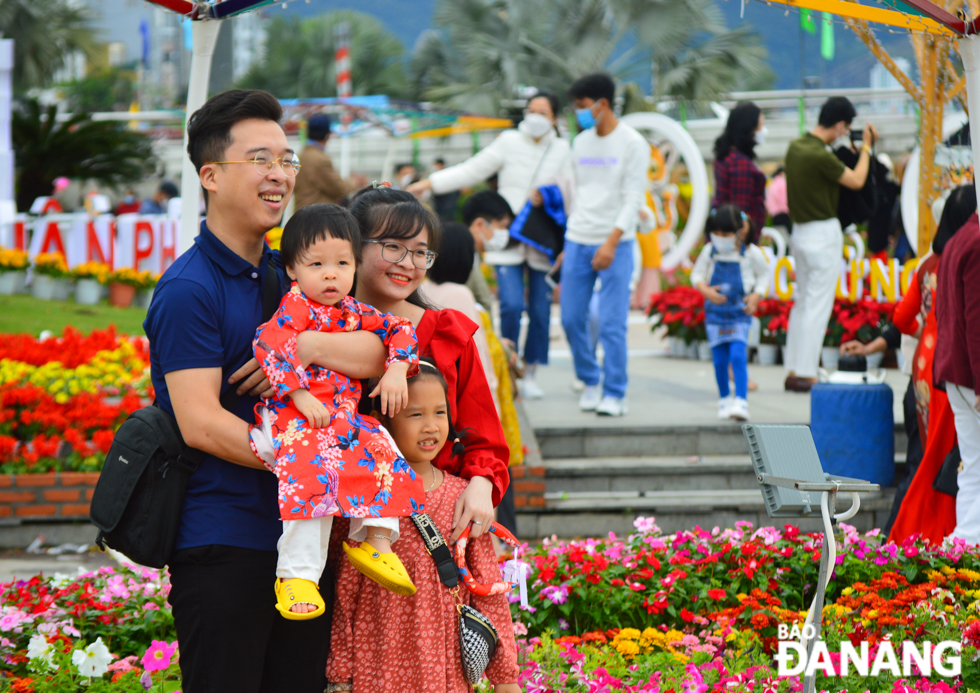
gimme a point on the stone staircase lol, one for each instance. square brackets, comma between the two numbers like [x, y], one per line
[598, 480]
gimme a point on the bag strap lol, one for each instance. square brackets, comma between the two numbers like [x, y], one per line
[537, 169]
[435, 544]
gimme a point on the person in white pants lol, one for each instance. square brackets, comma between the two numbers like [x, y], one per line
[813, 179]
[957, 363]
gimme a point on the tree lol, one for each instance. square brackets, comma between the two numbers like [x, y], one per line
[300, 57]
[486, 50]
[45, 34]
[108, 89]
[104, 151]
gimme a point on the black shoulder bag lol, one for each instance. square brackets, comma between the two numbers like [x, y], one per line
[137, 501]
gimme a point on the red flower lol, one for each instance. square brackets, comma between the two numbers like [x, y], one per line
[717, 594]
[687, 615]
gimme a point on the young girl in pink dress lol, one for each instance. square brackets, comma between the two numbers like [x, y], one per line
[329, 459]
[384, 643]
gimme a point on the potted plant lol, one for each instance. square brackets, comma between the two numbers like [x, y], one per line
[123, 284]
[51, 280]
[773, 315]
[90, 278]
[148, 281]
[681, 310]
[862, 321]
[13, 271]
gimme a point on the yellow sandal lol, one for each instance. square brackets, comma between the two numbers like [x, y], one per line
[293, 591]
[384, 568]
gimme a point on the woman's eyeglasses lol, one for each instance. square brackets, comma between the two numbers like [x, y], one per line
[395, 252]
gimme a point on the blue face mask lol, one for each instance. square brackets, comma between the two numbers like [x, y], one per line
[585, 118]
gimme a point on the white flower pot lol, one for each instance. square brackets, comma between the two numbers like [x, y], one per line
[143, 298]
[830, 357]
[767, 354]
[63, 289]
[874, 360]
[704, 351]
[88, 292]
[42, 287]
[675, 347]
[691, 350]
[12, 282]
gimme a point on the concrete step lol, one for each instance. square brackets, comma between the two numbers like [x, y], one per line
[647, 474]
[590, 513]
[655, 441]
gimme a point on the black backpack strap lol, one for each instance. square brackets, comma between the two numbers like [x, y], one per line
[436, 546]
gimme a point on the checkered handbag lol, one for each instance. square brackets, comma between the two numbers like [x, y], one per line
[477, 642]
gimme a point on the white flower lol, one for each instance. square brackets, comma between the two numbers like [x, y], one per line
[93, 661]
[40, 648]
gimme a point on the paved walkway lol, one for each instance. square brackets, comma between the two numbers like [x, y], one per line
[667, 391]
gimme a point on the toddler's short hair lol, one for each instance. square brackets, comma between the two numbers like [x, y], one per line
[316, 223]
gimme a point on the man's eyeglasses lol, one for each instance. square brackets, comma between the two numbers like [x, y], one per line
[395, 252]
[264, 163]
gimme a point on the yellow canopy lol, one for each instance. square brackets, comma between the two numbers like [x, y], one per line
[870, 14]
[465, 124]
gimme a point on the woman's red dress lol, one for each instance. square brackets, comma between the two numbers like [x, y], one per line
[385, 643]
[926, 511]
[446, 336]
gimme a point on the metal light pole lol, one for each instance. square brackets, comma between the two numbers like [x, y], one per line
[341, 58]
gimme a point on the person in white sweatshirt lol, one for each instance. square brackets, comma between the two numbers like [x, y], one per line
[524, 159]
[609, 161]
[733, 276]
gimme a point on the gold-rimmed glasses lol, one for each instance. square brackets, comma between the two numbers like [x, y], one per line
[395, 252]
[264, 163]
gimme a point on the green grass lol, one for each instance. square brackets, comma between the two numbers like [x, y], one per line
[22, 313]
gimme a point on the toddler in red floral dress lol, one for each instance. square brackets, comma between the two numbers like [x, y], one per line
[329, 459]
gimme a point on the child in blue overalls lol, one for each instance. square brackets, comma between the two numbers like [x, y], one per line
[733, 275]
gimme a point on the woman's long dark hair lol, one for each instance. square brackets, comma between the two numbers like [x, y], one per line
[959, 207]
[739, 131]
[395, 214]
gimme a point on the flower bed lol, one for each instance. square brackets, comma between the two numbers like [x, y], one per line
[862, 321]
[696, 611]
[54, 415]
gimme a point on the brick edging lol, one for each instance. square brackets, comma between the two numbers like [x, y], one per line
[528, 483]
[41, 496]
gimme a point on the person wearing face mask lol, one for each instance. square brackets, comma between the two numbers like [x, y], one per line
[733, 276]
[610, 162]
[405, 175]
[814, 176]
[488, 217]
[524, 159]
[130, 203]
[737, 178]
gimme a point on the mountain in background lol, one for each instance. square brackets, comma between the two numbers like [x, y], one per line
[851, 65]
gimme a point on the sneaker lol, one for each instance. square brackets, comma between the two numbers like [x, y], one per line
[530, 389]
[610, 406]
[590, 398]
[577, 385]
[739, 410]
[724, 406]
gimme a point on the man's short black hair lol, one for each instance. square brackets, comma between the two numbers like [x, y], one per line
[596, 86]
[457, 250]
[837, 109]
[399, 167]
[209, 128]
[316, 223]
[318, 127]
[439, 160]
[486, 204]
[169, 189]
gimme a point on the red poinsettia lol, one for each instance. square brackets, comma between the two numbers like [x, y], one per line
[681, 309]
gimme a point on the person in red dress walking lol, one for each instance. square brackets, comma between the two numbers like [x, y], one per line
[329, 459]
[383, 643]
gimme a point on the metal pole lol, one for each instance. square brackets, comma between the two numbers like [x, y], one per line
[205, 34]
[970, 53]
[810, 681]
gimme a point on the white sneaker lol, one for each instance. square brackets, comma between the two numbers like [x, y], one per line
[739, 410]
[610, 406]
[577, 385]
[530, 389]
[724, 408]
[590, 398]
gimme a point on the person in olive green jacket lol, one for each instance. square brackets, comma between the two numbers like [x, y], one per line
[814, 175]
[318, 181]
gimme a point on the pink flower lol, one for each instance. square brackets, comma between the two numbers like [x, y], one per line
[911, 552]
[158, 655]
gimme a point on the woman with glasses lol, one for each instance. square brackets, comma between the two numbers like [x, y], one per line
[524, 159]
[400, 239]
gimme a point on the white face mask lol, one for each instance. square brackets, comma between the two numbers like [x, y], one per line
[406, 180]
[760, 136]
[498, 241]
[843, 140]
[723, 244]
[535, 125]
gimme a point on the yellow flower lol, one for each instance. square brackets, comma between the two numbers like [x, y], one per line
[846, 591]
[61, 398]
[731, 636]
[627, 648]
[628, 633]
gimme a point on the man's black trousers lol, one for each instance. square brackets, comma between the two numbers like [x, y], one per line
[231, 636]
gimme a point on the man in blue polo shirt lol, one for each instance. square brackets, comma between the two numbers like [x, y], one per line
[201, 323]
